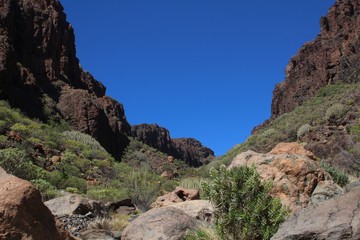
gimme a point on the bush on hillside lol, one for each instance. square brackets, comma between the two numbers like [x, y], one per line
[340, 177]
[336, 111]
[244, 207]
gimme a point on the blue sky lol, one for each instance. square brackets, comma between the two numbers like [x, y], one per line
[201, 68]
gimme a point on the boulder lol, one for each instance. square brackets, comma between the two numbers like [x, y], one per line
[324, 191]
[294, 175]
[180, 194]
[160, 223]
[74, 204]
[23, 214]
[200, 209]
[336, 218]
[292, 148]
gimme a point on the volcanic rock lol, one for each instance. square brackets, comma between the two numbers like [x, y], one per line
[41, 75]
[23, 214]
[180, 194]
[336, 218]
[331, 58]
[187, 149]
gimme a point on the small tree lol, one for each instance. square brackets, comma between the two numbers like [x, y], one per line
[244, 207]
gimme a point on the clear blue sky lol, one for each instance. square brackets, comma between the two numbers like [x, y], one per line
[201, 68]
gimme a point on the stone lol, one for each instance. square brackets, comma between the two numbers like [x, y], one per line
[180, 194]
[294, 176]
[292, 148]
[97, 234]
[160, 223]
[335, 218]
[74, 204]
[202, 210]
[23, 215]
[324, 191]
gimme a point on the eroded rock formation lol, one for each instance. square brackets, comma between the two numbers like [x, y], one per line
[41, 75]
[332, 57]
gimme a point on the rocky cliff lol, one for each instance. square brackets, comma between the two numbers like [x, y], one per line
[41, 75]
[188, 149]
[331, 58]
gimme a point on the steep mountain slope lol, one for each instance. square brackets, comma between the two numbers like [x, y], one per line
[332, 57]
[41, 75]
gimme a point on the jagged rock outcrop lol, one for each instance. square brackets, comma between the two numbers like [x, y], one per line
[23, 215]
[188, 149]
[332, 57]
[153, 135]
[180, 194]
[336, 218]
[41, 75]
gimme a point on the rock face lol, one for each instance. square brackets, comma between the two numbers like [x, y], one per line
[41, 75]
[160, 223]
[295, 176]
[22, 213]
[332, 57]
[187, 149]
[337, 218]
[200, 209]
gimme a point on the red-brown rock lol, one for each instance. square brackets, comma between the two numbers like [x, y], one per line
[41, 75]
[332, 57]
[180, 194]
[22, 213]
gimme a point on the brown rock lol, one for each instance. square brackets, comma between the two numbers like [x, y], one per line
[332, 57]
[292, 148]
[22, 213]
[38, 61]
[294, 176]
[178, 195]
[161, 223]
[55, 159]
[187, 149]
[336, 218]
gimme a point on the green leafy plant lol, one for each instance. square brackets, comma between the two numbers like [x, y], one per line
[47, 190]
[244, 207]
[340, 177]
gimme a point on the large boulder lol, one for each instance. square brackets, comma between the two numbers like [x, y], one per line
[180, 194]
[160, 223]
[74, 204]
[23, 214]
[202, 210]
[336, 218]
[294, 175]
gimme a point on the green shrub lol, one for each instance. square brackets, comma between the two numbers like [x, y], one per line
[106, 194]
[303, 130]
[83, 138]
[75, 182]
[72, 190]
[20, 128]
[340, 177]
[16, 162]
[144, 187]
[336, 111]
[47, 190]
[244, 207]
